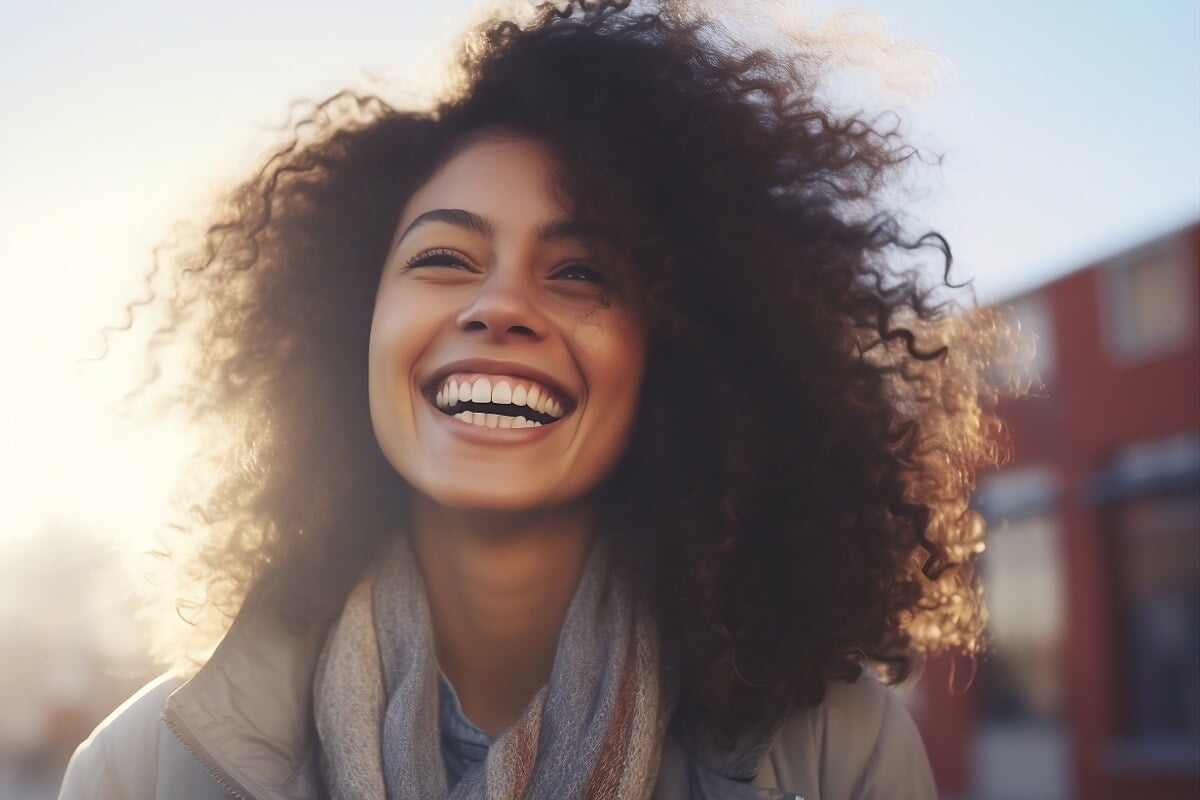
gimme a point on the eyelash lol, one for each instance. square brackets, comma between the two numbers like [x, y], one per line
[442, 257]
[595, 275]
[437, 258]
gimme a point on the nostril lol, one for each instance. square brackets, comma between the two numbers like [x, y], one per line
[476, 325]
[520, 329]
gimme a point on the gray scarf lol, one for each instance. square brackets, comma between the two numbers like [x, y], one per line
[595, 731]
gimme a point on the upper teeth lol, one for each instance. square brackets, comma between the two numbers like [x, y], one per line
[501, 391]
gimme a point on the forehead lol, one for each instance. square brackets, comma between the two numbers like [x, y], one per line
[506, 177]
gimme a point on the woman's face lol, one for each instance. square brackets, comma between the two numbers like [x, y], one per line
[507, 345]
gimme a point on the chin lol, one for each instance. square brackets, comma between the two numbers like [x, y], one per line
[494, 498]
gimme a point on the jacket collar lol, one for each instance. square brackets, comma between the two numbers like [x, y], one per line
[246, 715]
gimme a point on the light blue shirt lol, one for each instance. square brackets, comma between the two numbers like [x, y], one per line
[463, 743]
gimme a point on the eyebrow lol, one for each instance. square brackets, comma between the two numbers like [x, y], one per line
[557, 230]
[452, 216]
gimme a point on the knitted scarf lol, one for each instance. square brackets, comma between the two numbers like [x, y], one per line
[595, 731]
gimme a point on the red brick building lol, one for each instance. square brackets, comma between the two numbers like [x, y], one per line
[1092, 572]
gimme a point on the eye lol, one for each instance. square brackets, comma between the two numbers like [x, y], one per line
[439, 257]
[580, 271]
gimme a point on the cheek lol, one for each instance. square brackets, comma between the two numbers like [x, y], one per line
[619, 367]
[394, 346]
[627, 351]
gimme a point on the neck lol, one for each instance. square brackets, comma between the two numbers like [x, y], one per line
[498, 587]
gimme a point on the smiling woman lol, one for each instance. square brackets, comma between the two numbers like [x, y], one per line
[586, 442]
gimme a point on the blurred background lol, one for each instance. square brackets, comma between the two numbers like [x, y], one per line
[1069, 189]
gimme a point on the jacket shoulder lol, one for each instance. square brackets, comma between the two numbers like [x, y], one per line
[860, 742]
[132, 754]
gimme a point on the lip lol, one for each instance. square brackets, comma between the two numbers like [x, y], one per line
[488, 366]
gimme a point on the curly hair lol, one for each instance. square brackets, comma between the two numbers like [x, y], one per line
[794, 501]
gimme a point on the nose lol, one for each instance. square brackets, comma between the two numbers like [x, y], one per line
[504, 306]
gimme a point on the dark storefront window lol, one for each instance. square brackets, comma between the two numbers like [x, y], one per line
[1158, 562]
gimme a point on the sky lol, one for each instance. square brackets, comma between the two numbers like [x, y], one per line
[1068, 130]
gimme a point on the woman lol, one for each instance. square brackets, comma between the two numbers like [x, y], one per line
[588, 445]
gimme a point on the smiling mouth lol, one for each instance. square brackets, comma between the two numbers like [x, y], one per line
[498, 402]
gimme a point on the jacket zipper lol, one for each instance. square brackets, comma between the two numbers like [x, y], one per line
[220, 776]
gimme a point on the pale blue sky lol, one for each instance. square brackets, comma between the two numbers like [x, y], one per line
[1070, 129]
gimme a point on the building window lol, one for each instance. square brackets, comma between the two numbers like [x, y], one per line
[1022, 576]
[1032, 313]
[1021, 746]
[1150, 302]
[1158, 561]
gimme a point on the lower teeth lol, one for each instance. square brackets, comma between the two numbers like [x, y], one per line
[495, 420]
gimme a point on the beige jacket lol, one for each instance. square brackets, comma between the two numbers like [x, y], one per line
[242, 727]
